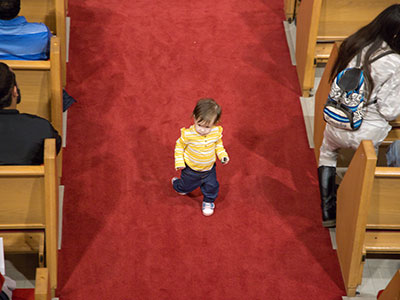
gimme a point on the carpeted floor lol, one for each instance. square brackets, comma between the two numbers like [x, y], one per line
[137, 69]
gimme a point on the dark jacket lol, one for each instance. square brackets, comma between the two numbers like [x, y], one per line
[22, 138]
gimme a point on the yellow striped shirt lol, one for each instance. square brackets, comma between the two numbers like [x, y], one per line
[197, 151]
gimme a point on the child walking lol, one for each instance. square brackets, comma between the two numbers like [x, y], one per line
[195, 154]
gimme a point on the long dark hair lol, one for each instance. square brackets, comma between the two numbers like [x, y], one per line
[384, 28]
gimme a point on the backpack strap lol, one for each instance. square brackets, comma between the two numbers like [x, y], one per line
[381, 55]
[358, 61]
[374, 60]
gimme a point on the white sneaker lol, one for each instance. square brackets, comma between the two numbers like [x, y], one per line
[172, 181]
[207, 208]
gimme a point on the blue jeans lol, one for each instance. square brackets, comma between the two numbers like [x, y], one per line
[191, 180]
[393, 154]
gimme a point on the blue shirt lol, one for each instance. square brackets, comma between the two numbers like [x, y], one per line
[21, 40]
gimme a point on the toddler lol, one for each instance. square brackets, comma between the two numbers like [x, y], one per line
[195, 154]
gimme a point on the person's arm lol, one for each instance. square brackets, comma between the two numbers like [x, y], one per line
[388, 98]
[220, 150]
[179, 149]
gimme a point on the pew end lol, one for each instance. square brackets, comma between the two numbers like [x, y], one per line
[368, 214]
[29, 210]
[42, 284]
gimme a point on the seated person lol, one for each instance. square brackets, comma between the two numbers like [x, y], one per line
[21, 135]
[19, 39]
[382, 95]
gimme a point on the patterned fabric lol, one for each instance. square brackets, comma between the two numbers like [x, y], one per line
[386, 75]
[20, 40]
[197, 151]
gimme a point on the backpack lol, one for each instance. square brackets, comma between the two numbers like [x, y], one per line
[346, 100]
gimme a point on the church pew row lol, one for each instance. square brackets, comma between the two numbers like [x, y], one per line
[368, 214]
[41, 88]
[30, 205]
[53, 14]
[320, 23]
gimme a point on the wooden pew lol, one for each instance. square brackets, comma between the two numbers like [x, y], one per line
[289, 9]
[41, 87]
[392, 291]
[322, 22]
[41, 291]
[21, 242]
[53, 14]
[29, 197]
[319, 124]
[42, 284]
[368, 214]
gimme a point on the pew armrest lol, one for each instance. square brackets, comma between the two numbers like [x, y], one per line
[42, 286]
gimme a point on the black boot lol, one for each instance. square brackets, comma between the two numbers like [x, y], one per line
[327, 188]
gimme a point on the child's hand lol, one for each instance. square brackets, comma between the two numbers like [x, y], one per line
[225, 160]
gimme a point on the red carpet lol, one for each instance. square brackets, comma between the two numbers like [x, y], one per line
[137, 68]
[23, 294]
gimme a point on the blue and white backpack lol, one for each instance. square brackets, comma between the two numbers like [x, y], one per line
[346, 100]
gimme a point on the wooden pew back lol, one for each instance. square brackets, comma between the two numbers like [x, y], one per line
[29, 197]
[341, 18]
[320, 99]
[319, 22]
[40, 85]
[22, 208]
[384, 210]
[367, 200]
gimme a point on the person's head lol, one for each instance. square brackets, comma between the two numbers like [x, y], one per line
[384, 28]
[9, 9]
[206, 114]
[9, 92]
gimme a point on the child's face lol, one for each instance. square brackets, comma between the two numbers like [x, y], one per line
[202, 128]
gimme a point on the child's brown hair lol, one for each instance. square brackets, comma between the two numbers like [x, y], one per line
[207, 111]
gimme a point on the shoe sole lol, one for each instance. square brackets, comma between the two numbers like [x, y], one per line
[172, 181]
[207, 215]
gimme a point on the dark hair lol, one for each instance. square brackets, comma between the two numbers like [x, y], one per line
[384, 28]
[9, 9]
[7, 83]
[207, 111]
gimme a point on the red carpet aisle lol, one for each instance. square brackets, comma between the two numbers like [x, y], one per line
[137, 68]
